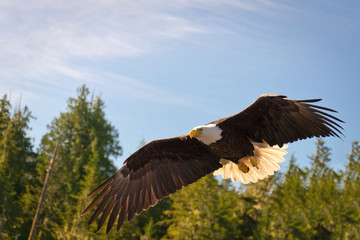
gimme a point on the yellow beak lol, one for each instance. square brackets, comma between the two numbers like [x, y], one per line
[193, 133]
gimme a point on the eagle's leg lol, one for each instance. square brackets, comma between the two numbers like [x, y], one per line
[243, 167]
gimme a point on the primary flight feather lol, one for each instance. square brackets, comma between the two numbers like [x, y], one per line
[245, 147]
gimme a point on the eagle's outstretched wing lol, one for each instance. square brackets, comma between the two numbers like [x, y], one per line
[279, 120]
[153, 172]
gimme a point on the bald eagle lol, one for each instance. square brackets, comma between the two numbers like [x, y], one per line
[246, 147]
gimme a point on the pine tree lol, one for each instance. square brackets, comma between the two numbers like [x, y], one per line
[16, 170]
[283, 216]
[89, 142]
[253, 204]
[305, 204]
[192, 215]
[323, 186]
[349, 211]
[208, 209]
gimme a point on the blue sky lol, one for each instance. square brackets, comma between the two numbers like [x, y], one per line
[164, 67]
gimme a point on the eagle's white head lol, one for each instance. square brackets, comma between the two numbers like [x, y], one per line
[207, 134]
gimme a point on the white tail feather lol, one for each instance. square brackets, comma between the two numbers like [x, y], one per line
[261, 165]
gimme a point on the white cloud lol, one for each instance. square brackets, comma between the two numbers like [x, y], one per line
[129, 87]
[45, 40]
[41, 39]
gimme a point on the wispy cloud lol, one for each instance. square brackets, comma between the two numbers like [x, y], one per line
[134, 88]
[42, 42]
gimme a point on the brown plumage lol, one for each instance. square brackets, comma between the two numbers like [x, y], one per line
[161, 167]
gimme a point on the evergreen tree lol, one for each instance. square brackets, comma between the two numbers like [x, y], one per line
[283, 216]
[192, 212]
[89, 142]
[16, 170]
[253, 203]
[349, 211]
[320, 201]
[208, 209]
[305, 204]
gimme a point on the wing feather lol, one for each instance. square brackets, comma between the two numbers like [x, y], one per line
[107, 211]
[96, 200]
[279, 120]
[113, 215]
[123, 213]
[100, 208]
[150, 174]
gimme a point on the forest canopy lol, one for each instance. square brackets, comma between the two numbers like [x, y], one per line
[313, 202]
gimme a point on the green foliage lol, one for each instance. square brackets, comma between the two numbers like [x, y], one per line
[17, 170]
[313, 203]
[88, 143]
[349, 211]
[195, 212]
[208, 209]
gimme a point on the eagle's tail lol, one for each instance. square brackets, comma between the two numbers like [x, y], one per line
[263, 163]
